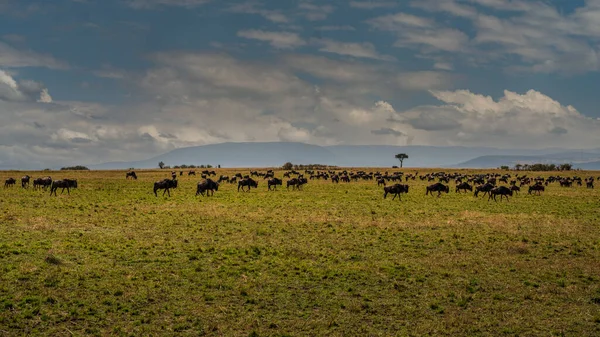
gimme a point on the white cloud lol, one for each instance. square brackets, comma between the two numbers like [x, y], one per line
[25, 90]
[373, 4]
[279, 40]
[254, 8]
[14, 58]
[360, 50]
[147, 4]
[314, 12]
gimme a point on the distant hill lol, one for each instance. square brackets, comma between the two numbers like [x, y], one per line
[275, 154]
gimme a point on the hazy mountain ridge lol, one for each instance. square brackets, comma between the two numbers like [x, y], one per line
[275, 154]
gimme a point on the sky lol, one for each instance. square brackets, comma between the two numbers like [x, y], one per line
[91, 81]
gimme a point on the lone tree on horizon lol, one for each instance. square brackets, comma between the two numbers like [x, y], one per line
[161, 164]
[401, 157]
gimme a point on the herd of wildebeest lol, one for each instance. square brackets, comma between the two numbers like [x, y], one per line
[490, 184]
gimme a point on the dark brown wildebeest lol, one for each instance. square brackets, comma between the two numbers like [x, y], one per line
[396, 190]
[296, 183]
[131, 174]
[515, 188]
[9, 182]
[25, 181]
[192, 173]
[464, 187]
[44, 183]
[207, 185]
[502, 191]
[486, 188]
[380, 182]
[233, 180]
[247, 182]
[335, 179]
[64, 183]
[166, 185]
[437, 187]
[274, 182]
[173, 175]
[223, 178]
[536, 189]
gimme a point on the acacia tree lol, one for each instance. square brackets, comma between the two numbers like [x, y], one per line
[401, 157]
[161, 164]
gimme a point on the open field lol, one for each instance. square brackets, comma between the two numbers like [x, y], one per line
[331, 260]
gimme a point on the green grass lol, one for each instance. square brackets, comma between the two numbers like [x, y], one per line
[336, 260]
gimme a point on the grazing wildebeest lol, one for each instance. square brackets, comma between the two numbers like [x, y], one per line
[536, 189]
[380, 182]
[486, 188]
[335, 179]
[131, 174]
[44, 183]
[515, 188]
[248, 182]
[502, 191]
[223, 178]
[296, 183]
[233, 180]
[396, 190]
[64, 183]
[464, 187]
[274, 182]
[25, 181]
[437, 187]
[9, 182]
[589, 184]
[191, 173]
[166, 185]
[207, 185]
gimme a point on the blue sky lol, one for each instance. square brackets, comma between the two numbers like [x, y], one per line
[92, 81]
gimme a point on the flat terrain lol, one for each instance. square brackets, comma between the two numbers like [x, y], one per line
[330, 260]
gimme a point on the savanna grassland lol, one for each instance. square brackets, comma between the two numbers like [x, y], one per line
[330, 260]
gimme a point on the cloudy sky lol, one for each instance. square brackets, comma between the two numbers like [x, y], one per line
[89, 81]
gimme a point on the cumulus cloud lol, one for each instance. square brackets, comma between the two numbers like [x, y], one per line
[25, 90]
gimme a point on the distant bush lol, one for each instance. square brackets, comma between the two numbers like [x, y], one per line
[75, 168]
[543, 167]
[288, 166]
[313, 167]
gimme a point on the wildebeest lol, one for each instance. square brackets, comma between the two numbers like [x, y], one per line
[396, 190]
[131, 174]
[166, 185]
[44, 182]
[207, 185]
[64, 183]
[248, 182]
[9, 182]
[296, 183]
[274, 182]
[486, 188]
[380, 182]
[437, 187]
[335, 178]
[464, 187]
[25, 181]
[515, 188]
[536, 189]
[502, 191]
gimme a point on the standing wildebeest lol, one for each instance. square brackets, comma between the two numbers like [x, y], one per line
[380, 182]
[64, 183]
[501, 191]
[44, 183]
[296, 183]
[192, 173]
[25, 181]
[396, 190]
[335, 178]
[131, 174]
[249, 182]
[536, 189]
[464, 186]
[207, 185]
[9, 182]
[274, 182]
[166, 185]
[437, 187]
[484, 188]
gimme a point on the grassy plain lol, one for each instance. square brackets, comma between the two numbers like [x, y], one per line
[331, 260]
